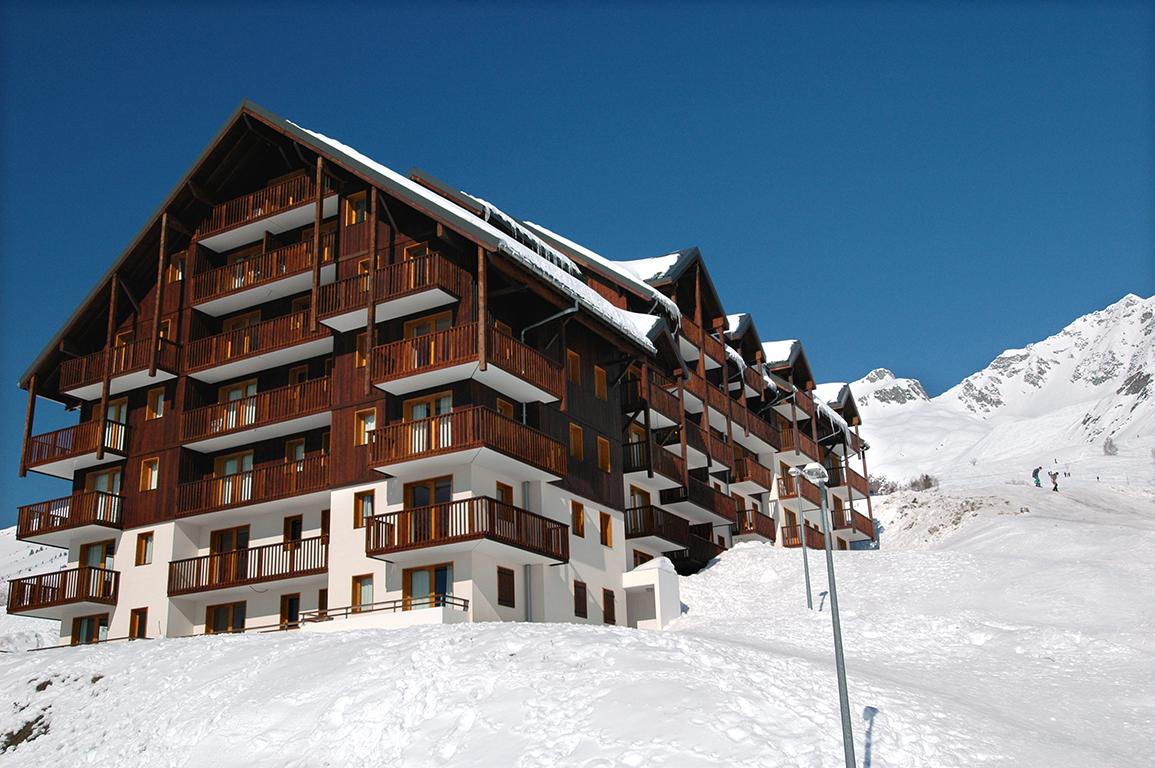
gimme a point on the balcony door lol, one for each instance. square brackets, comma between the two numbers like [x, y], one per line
[639, 497]
[240, 405]
[97, 555]
[122, 351]
[104, 506]
[416, 260]
[426, 432]
[244, 267]
[116, 417]
[426, 587]
[228, 550]
[240, 334]
[235, 477]
[427, 515]
[425, 348]
[89, 629]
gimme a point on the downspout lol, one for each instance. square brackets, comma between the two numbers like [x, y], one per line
[526, 569]
[557, 315]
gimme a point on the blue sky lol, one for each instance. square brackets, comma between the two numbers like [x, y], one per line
[916, 186]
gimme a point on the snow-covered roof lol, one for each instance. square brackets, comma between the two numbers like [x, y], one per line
[524, 236]
[652, 269]
[780, 352]
[624, 272]
[832, 392]
[737, 324]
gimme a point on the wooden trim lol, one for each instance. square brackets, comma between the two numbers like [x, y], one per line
[318, 216]
[159, 293]
[104, 382]
[482, 308]
[29, 417]
[371, 304]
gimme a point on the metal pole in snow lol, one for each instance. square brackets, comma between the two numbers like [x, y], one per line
[839, 661]
[805, 560]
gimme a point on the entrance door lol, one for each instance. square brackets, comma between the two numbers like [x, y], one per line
[428, 433]
[89, 629]
[240, 405]
[235, 473]
[427, 587]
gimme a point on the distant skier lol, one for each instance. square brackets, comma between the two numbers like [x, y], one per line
[1035, 475]
[1054, 480]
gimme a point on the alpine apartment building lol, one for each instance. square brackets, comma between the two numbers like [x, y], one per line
[315, 393]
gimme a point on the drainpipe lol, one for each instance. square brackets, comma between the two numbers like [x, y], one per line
[526, 573]
[557, 315]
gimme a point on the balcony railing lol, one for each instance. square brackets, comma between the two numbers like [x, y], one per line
[655, 521]
[763, 430]
[753, 379]
[636, 457]
[717, 399]
[274, 198]
[257, 410]
[693, 333]
[126, 358]
[264, 482]
[70, 442]
[49, 590]
[386, 606]
[805, 402]
[791, 537]
[283, 560]
[702, 495]
[259, 270]
[472, 427]
[720, 451]
[458, 345]
[697, 553]
[848, 518]
[749, 470]
[403, 278]
[278, 333]
[793, 439]
[788, 488]
[755, 523]
[79, 509]
[466, 520]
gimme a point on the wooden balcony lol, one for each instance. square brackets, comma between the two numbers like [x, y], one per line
[797, 490]
[712, 347]
[242, 567]
[852, 520]
[405, 288]
[695, 556]
[58, 522]
[83, 377]
[471, 434]
[754, 432]
[55, 595]
[845, 482]
[258, 488]
[792, 539]
[637, 394]
[797, 447]
[656, 528]
[721, 452]
[753, 524]
[64, 452]
[427, 533]
[279, 273]
[263, 416]
[273, 343]
[700, 502]
[751, 477]
[439, 358]
[277, 208]
[642, 457]
[753, 381]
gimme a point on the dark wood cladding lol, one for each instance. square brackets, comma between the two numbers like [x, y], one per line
[747, 469]
[466, 520]
[265, 482]
[270, 562]
[756, 523]
[650, 520]
[403, 278]
[71, 442]
[704, 496]
[79, 509]
[791, 487]
[258, 410]
[278, 333]
[254, 206]
[473, 427]
[263, 269]
[126, 358]
[77, 585]
[640, 457]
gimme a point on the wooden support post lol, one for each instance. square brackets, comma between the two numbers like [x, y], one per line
[318, 215]
[482, 310]
[108, 355]
[865, 474]
[371, 304]
[29, 416]
[682, 427]
[650, 447]
[701, 340]
[160, 261]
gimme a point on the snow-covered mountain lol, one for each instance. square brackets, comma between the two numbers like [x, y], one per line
[1054, 401]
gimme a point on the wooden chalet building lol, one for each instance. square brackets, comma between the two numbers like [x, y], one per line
[316, 393]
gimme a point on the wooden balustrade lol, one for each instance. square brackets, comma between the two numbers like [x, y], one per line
[654, 521]
[695, 555]
[788, 488]
[126, 358]
[386, 606]
[257, 410]
[850, 518]
[695, 385]
[81, 508]
[77, 585]
[804, 402]
[720, 451]
[412, 275]
[763, 430]
[695, 436]
[702, 495]
[660, 398]
[639, 457]
[262, 269]
[465, 520]
[753, 379]
[717, 399]
[70, 442]
[283, 560]
[278, 333]
[792, 539]
[264, 482]
[692, 332]
[524, 362]
[464, 429]
[793, 439]
[747, 469]
[755, 523]
[274, 198]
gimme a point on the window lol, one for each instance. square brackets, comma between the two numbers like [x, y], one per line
[293, 528]
[505, 587]
[426, 493]
[364, 424]
[298, 374]
[362, 508]
[601, 388]
[144, 548]
[580, 600]
[324, 522]
[300, 304]
[608, 613]
[154, 408]
[228, 617]
[149, 474]
[295, 452]
[504, 493]
[721, 541]
[639, 497]
[573, 367]
[356, 209]
[607, 529]
[175, 271]
[603, 454]
[165, 329]
[578, 513]
[505, 408]
[427, 586]
[361, 352]
[362, 592]
[138, 624]
[89, 629]
[423, 326]
[363, 267]
[641, 557]
[576, 448]
[290, 610]
[97, 554]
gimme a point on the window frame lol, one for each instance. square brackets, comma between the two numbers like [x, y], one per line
[581, 605]
[359, 516]
[577, 511]
[145, 544]
[577, 449]
[506, 578]
[605, 460]
[601, 384]
[154, 404]
[573, 367]
[609, 607]
[361, 436]
[606, 529]
[149, 474]
[138, 624]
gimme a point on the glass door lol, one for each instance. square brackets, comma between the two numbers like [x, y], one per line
[240, 334]
[427, 432]
[427, 346]
[236, 477]
[240, 405]
[427, 587]
[228, 550]
[106, 502]
[116, 418]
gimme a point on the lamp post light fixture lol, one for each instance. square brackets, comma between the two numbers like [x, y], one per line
[795, 472]
[818, 475]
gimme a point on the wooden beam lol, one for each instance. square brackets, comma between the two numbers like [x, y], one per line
[650, 446]
[160, 262]
[318, 214]
[682, 424]
[131, 299]
[371, 304]
[104, 382]
[176, 225]
[482, 318]
[200, 193]
[29, 415]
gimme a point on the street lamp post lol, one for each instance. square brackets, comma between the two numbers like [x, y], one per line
[818, 475]
[795, 472]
